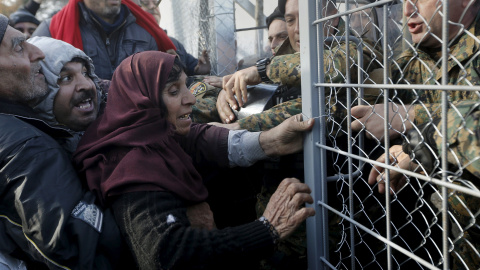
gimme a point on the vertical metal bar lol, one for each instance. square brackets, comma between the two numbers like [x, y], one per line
[224, 23]
[311, 56]
[259, 21]
[386, 73]
[445, 37]
[351, 205]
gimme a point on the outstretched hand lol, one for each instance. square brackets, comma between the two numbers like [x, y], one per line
[286, 138]
[236, 84]
[372, 119]
[232, 126]
[285, 209]
[214, 81]
[397, 180]
[225, 112]
[203, 67]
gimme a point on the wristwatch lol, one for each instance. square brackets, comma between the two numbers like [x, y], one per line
[262, 69]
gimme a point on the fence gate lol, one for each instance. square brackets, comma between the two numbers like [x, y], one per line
[361, 53]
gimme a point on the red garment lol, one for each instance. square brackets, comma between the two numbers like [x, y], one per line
[132, 146]
[65, 28]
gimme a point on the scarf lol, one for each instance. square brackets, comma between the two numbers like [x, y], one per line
[131, 146]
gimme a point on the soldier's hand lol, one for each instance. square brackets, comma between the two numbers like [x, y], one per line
[223, 108]
[214, 81]
[286, 138]
[236, 84]
[371, 118]
[285, 209]
[397, 180]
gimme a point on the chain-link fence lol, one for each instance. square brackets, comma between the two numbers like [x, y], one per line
[397, 79]
[233, 32]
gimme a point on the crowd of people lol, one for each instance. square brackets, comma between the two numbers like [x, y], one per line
[108, 139]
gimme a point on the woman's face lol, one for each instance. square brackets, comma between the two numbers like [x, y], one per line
[179, 101]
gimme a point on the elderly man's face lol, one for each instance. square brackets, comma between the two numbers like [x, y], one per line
[425, 20]
[277, 33]
[21, 79]
[76, 103]
[105, 9]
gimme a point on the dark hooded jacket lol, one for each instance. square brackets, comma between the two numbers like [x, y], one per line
[46, 216]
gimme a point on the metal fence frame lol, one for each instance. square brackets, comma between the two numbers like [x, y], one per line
[315, 147]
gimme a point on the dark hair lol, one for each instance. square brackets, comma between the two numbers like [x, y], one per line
[84, 62]
[176, 71]
[174, 76]
[23, 15]
[276, 15]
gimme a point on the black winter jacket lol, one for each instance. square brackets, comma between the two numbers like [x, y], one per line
[46, 215]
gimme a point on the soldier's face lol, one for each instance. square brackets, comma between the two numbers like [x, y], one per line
[292, 20]
[425, 20]
[105, 9]
[277, 33]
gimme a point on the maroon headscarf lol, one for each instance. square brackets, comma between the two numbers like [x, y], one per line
[132, 147]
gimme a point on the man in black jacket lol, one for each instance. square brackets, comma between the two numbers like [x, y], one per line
[46, 217]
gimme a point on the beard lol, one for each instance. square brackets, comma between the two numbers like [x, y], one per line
[111, 12]
[36, 88]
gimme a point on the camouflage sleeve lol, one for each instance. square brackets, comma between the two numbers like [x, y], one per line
[285, 69]
[463, 136]
[272, 117]
[425, 112]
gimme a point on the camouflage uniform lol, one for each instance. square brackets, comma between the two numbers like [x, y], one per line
[463, 156]
[285, 69]
[205, 110]
[424, 67]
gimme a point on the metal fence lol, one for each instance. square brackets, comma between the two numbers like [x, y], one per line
[232, 31]
[432, 220]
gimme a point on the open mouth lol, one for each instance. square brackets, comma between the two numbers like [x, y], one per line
[185, 117]
[85, 104]
[39, 72]
[414, 27]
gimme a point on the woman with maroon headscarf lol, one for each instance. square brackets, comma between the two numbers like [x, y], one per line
[138, 157]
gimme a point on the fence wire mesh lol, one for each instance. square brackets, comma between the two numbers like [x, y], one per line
[227, 29]
[397, 79]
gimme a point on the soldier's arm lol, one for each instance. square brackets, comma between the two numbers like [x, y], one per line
[463, 136]
[286, 69]
[272, 117]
